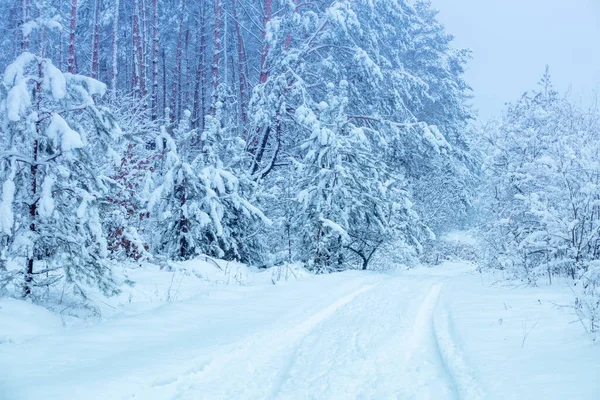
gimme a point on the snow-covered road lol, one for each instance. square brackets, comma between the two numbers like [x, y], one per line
[344, 336]
[376, 342]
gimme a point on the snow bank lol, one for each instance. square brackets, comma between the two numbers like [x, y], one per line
[518, 342]
[20, 320]
[146, 286]
[155, 284]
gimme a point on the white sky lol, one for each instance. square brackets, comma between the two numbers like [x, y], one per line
[513, 41]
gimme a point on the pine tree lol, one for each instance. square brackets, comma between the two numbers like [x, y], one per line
[352, 204]
[53, 193]
[199, 201]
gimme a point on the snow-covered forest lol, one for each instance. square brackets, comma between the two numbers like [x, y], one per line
[331, 133]
[139, 138]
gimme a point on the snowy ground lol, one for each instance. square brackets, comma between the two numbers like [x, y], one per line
[443, 333]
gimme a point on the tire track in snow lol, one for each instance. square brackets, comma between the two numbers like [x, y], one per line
[269, 348]
[258, 366]
[346, 341]
[400, 359]
[451, 355]
[319, 317]
[424, 322]
[430, 320]
[282, 375]
[422, 350]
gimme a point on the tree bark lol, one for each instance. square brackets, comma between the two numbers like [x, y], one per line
[71, 59]
[242, 65]
[139, 78]
[183, 82]
[28, 279]
[288, 38]
[216, 54]
[24, 19]
[96, 39]
[200, 87]
[154, 59]
[164, 84]
[115, 49]
[268, 13]
[176, 83]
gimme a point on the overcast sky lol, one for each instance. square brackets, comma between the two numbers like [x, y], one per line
[513, 40]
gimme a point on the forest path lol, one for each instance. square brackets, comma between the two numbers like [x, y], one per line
[376, 342]
[430, 333]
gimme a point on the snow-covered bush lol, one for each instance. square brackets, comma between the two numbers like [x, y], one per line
[352, 204]
[587, 302]
[130, 228]
[542, 187]
[452, 246]
[540, 203]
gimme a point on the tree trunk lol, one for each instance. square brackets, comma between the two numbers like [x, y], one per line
[164, 79]
[183, 82]
[183, 223]
[24, 19]
[260, 151]
[71, 60]
[242, 65]
[216, 54]
[139, 78]
[288, 38]
[115, 49]
[176, 83]
[365, 265]
[96, 39]
[28, 280]
[60, 41]
[200, 87]
[264, 74]
[144, 46]
[155, 60]
[32, 214]
[42, 46]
